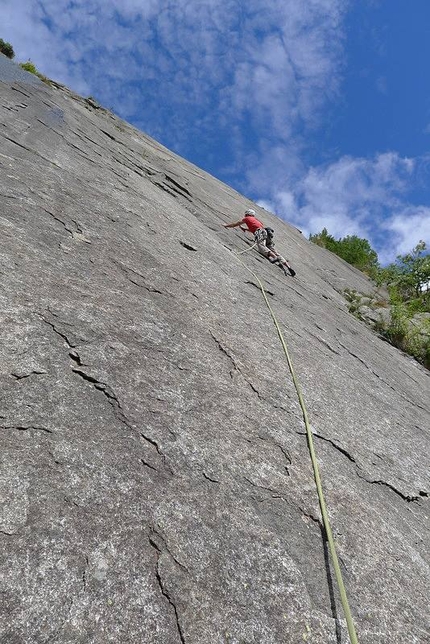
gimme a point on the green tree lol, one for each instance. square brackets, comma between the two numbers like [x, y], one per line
[324, 239]
[6, 49]
[358, 252]
[408, 283]
[352, 249]
[408, 278]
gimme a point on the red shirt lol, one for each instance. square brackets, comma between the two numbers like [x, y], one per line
[252, 224]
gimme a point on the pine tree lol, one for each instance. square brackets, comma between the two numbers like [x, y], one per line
[6, 49]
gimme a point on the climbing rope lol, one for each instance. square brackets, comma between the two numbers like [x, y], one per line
[240, 252]
[323, 507]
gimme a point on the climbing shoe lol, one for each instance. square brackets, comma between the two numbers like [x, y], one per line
[292, 271]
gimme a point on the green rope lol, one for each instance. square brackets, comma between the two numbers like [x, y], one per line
[323, 507]
[246, 249]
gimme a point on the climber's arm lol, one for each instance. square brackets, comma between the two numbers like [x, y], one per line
[237, 223]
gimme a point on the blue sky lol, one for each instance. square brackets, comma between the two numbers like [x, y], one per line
[317, 109]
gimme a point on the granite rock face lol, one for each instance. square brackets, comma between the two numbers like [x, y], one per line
[155, 478]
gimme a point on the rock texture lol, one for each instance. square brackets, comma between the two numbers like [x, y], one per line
[155, 478]
[410, 334]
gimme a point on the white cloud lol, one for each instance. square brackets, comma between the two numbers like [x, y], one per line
[408, 227]
[351, 183]
[273, 64]
[356, 196]
[253, 79]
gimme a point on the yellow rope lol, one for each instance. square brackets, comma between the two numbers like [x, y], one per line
[246, 249]
[323, 507]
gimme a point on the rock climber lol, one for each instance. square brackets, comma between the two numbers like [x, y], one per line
[264, 240]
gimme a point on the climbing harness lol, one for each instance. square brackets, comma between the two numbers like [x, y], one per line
[276, 260]
[309, 436]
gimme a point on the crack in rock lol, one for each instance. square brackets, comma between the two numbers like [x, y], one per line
[24, 428]
[283, 450]
[173, 193]
[310, 516]
[82, 153]
[54, 328]
[325, 343]
[16, 89]
[154, 444]
[127, 270]
[172, 187]
[84, 138]
[76, 358]
[124, 161]
[146, 464]
[256, 286]
[405, 497]
[27, 149]
[187, 246]
[21, 376]
[14, 107]
[84, 573]
[336, 446]
[208, 478]
[158, 542]
[110, 136]
[274, 493]
[153, 540]
[109, 393]
[130, 164]
[178, 185]
[60, 221]
[164, 353]
[118, 411]
[411, 402]
[224, 350]
[236, 366]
